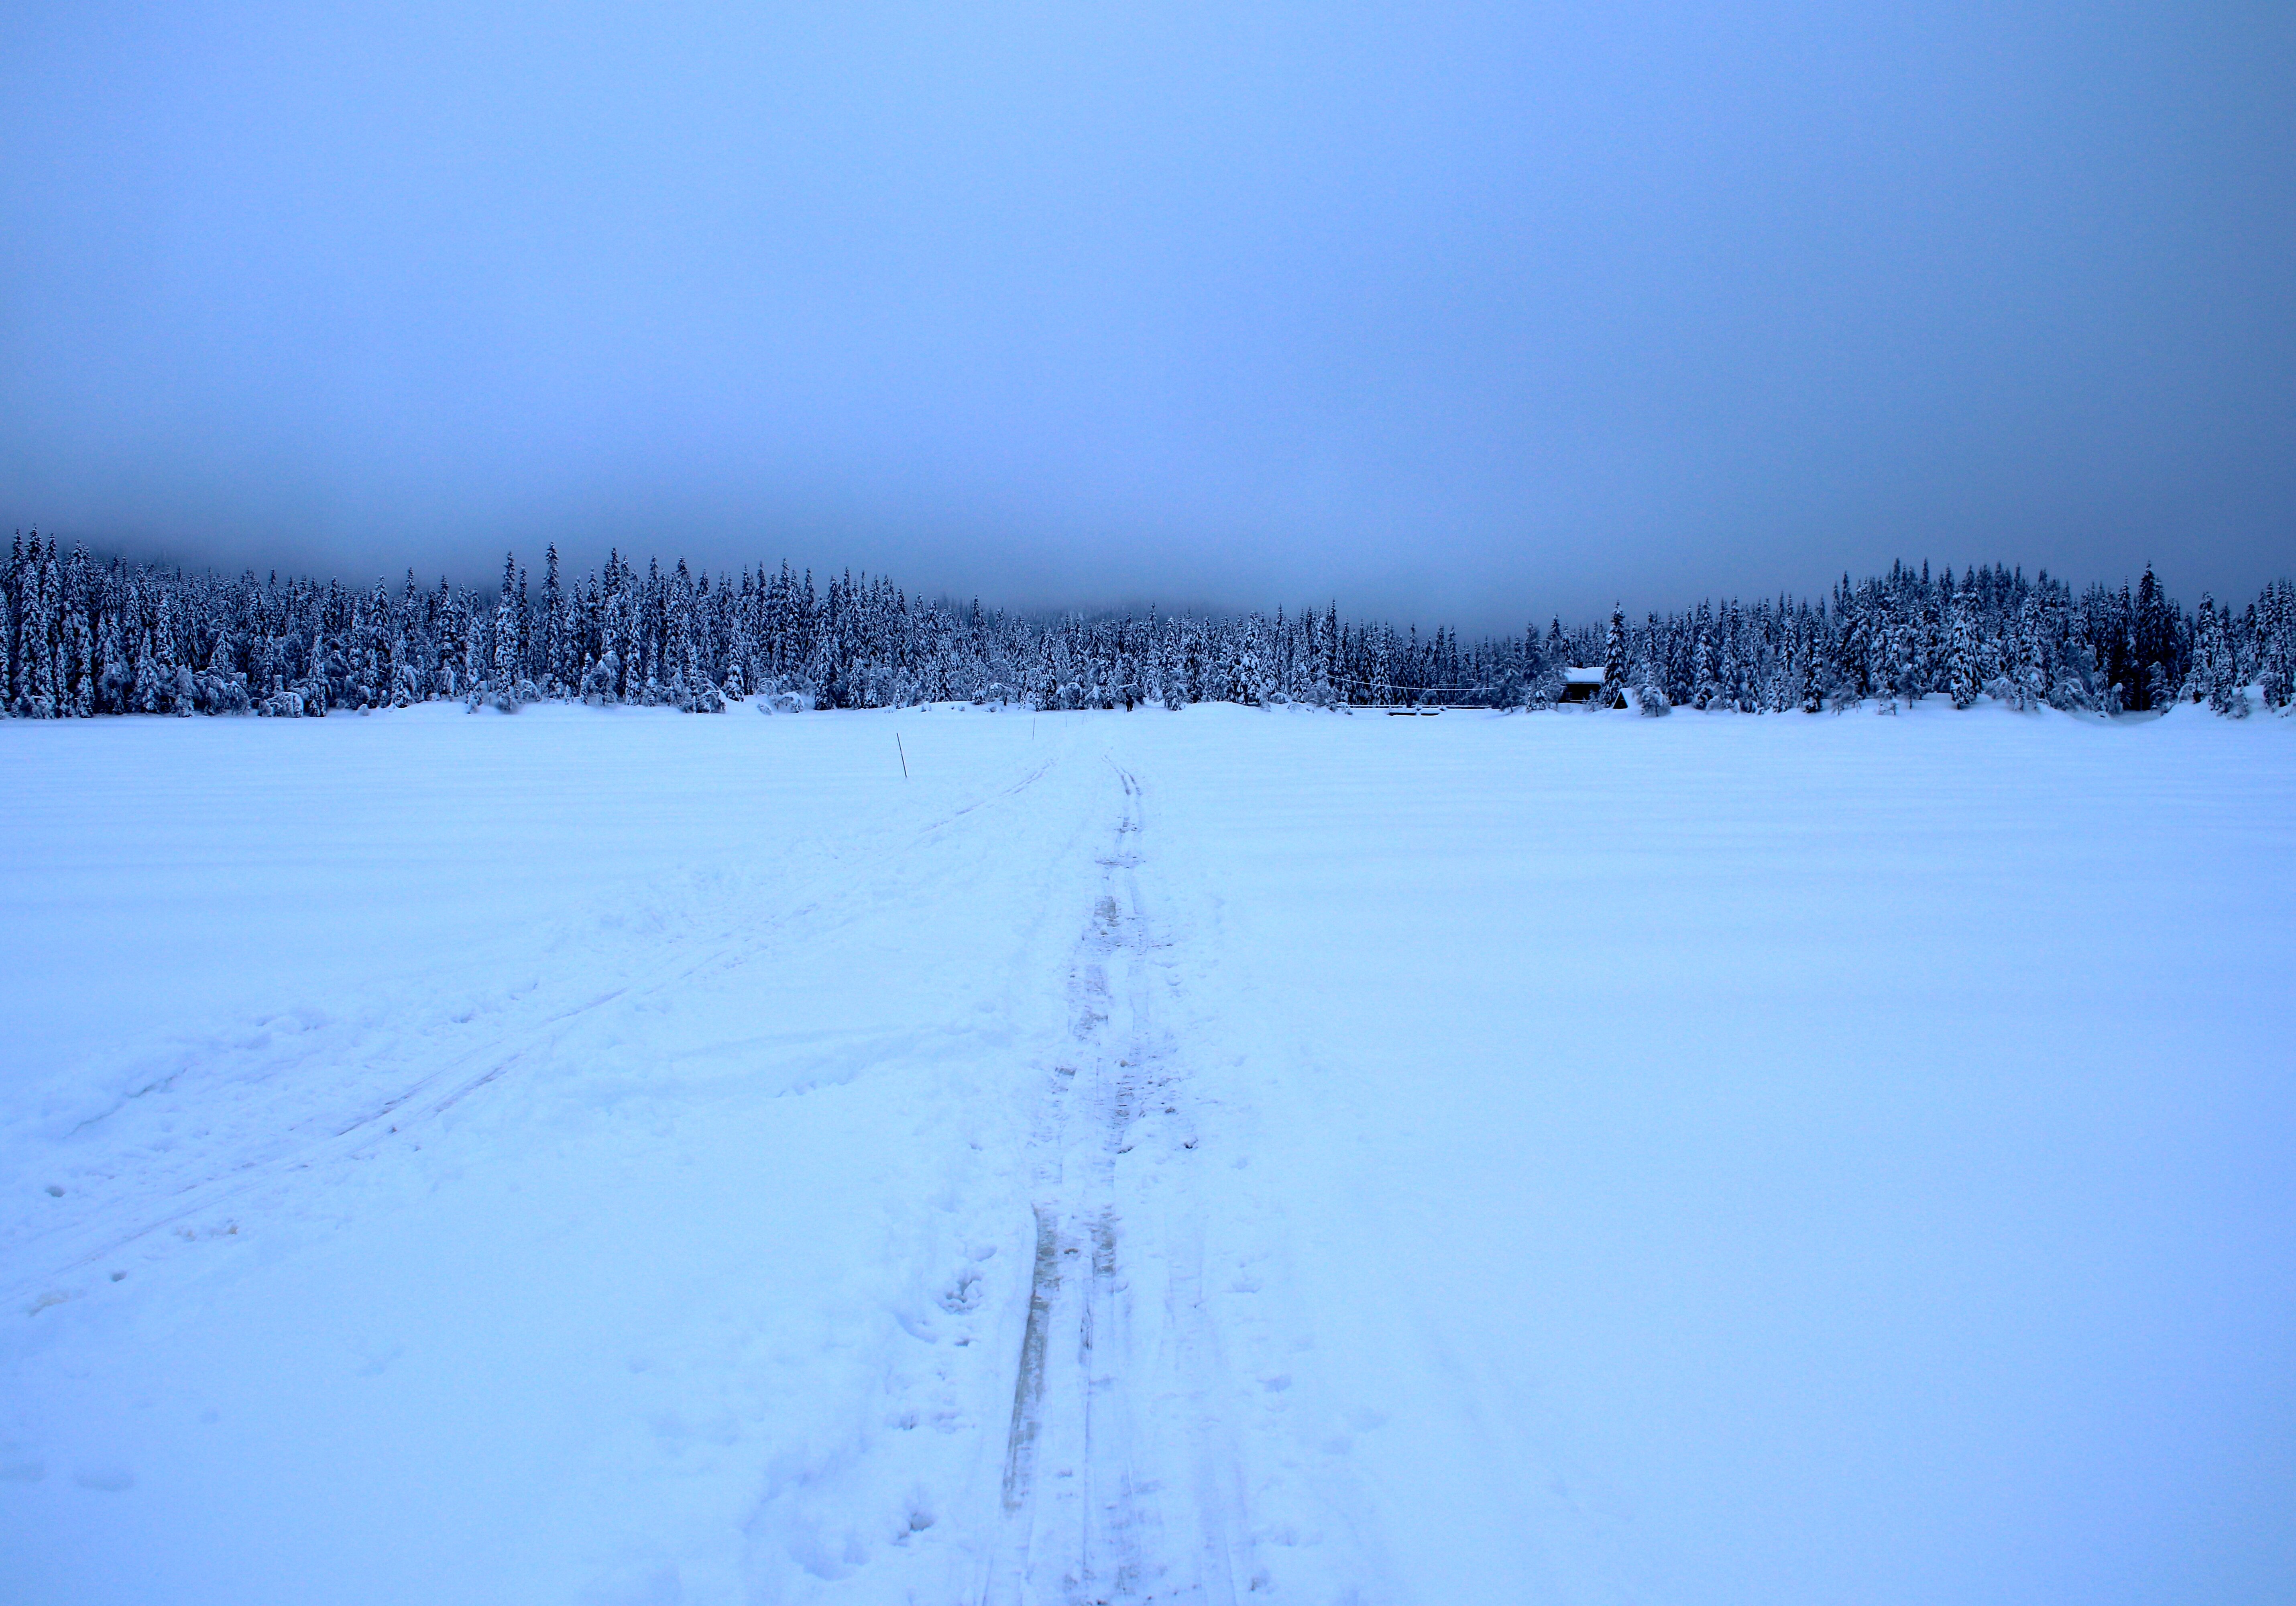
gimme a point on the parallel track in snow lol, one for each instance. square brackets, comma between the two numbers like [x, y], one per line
[1120, 1483]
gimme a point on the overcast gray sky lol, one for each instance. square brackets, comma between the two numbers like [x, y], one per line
[1467, 311]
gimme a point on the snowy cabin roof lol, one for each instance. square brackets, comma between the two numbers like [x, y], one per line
[1580, 685]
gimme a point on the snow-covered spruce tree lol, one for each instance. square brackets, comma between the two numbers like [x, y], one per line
[403, 660]
[1649, 686]
[36, 646]
[2021, 683]
[11, 623]
[1881, 643]
[1962, 680]
[114, 680]
[2212, 667]
[2275, 645]
[1612, 692]
[548, 663]
[223, 686]
[1901, 636]
[1802, 689]
[78, 643]
[2215, 678]
[1729, 690]
[143, 697]
[50, 693]
[1776, 691]
[313, 689]
[2146, 644]
[1706, 679]
[503, 668]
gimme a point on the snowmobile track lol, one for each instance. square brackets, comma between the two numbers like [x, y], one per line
[1118, 1484]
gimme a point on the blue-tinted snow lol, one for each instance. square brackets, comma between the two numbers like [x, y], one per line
[600, 1156]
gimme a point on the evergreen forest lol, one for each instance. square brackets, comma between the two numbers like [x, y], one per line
[85, 636]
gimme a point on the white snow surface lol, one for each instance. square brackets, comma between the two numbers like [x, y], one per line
[1232, 1155]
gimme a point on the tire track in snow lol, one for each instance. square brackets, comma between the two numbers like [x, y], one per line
[1119, 1483]
[1029, 1378]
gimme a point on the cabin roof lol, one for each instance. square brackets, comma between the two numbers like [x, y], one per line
[1583, 677]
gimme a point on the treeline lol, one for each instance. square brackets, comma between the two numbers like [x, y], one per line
[84, 636]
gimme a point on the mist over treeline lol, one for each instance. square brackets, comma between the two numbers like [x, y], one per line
[86, 636]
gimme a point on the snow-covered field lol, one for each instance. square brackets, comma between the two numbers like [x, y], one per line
[614, 1157]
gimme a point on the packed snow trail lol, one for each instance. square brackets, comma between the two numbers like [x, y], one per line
[1080, 1364]
[1117, 1483]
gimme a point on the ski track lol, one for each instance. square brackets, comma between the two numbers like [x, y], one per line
[1118, 1484]
[1083, 1450]
[247, 1159]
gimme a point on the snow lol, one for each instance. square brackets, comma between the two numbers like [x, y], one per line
[621, 1157]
